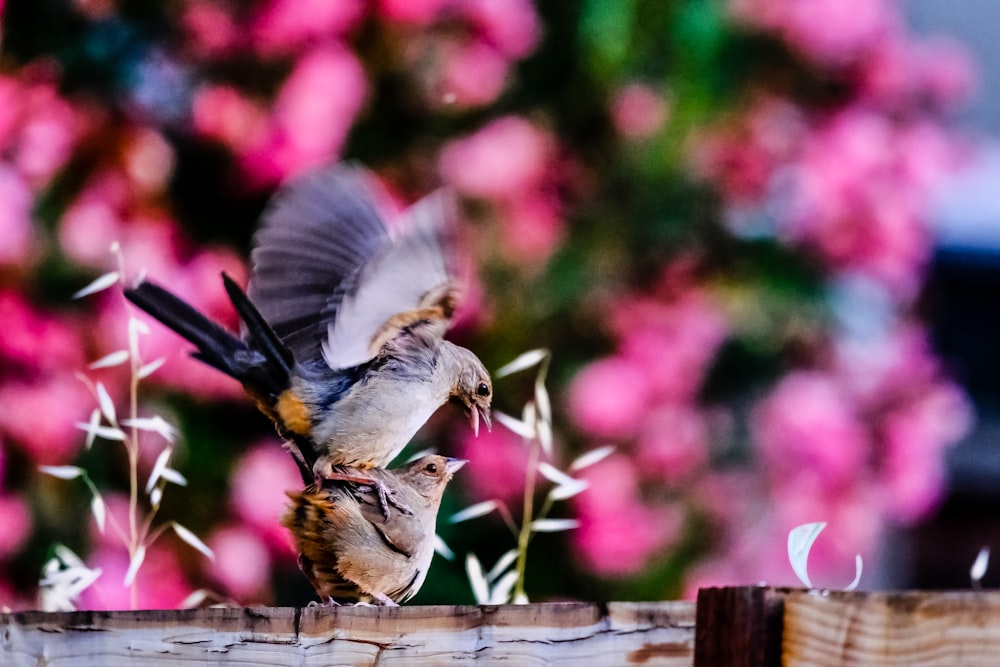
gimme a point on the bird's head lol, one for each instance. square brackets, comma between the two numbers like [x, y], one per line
[473, 389]
[429, 474]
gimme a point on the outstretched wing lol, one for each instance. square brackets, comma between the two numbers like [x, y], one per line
[410, 281]
[331, 281]
[316, 235]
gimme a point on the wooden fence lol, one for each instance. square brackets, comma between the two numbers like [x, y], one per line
[728, 627]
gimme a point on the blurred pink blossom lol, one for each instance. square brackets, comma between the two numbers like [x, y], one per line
[148, 161]
[673, 340]
[93, 221]
[210, 28]
[512, 27]
[414, 12]
[638, 111]
[742, 156]
[808, 429]
[497, 462]
[40, 416]
[618, 532]
[313, 112]
[501, 161]
[49, 129]
[878, 368]
[830, 32]
[532, 227]
[899, 72]
[915, 436]
[609, 397]
[257, 494]
[15, 524]
[35, 340]
[473, 74]
[226, 115]
[858, 192]
[17, 235]
[672, 443]
[160, 582]
[242, 564]
[10, 105]
[283, 25]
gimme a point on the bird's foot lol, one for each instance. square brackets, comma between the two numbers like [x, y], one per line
[386, 496]
[327, 602]
[385, 600]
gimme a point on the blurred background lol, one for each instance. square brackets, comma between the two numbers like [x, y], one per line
[759, 236]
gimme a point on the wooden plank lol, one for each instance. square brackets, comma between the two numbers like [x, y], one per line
[915, 629]
[620, 633]
[738, 627]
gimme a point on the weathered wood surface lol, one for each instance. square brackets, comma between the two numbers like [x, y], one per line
[656, 633]
[770, 627]
[915, 629]
[738, 627]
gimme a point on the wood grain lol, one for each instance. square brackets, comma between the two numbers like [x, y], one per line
[915, 629]
[620, 633]
[738, 627]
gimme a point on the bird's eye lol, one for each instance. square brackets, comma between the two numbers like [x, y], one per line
[431, 468]
[483, 389]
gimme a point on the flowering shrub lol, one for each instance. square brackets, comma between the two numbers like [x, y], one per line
[713, 213]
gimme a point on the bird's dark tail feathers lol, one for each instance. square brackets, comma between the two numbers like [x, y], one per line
[262, 364]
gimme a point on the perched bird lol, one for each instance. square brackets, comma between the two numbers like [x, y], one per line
[343, 330]
[353, 552]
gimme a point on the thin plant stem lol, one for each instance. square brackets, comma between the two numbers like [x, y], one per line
[132, 442]
[524, 537]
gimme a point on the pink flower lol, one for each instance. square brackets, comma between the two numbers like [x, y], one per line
[283, 25]
[672, 340]
[915, 436]
[638, 111]
[94, 220]
[11, 100]
[531, 227]
[17, 235]
[314, 111]
[258, 497]
[742, 157]
[512, 26]
[501, 161]
[15, 524]
[160, 582]
[242, 564]
[415, 12]
[498, 461]
[148, 161]
[902, 73]
[48, 133]
[672, 444]
[473, 74]
[610, 397]
[618, 533]
[807, 429]
[226, 115]
[857, 194]
[34, 340]
[830, 32]
[210, 28]
[41, 415]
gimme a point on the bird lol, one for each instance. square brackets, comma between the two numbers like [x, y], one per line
[343, 323]
[352, 552]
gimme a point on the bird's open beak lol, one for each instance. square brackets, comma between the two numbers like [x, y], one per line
[452, 466]
[475, 413]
